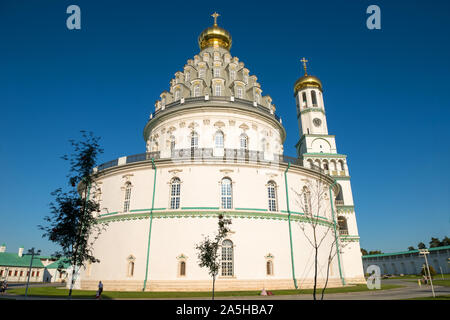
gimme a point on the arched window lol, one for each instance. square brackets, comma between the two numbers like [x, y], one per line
[201, 72]
[272, 196]
[216, 72]
[269, 268]
[218, 138]
[197, 90]
[244, 141]
[305, 104]
[342, 223]
[177, 95]
[194, 140]
[339, 196]
[341, 165]
[226, 193]
[227, 258]
[182, 268]
[187, 76]
[314, 98]
[217, 90]
[175, 193]
[131, 260]
[172, 144]
[263, 145]
[131, 269]
[126, 203]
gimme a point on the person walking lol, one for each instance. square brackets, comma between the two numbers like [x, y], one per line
[100, 290]
[2, 287]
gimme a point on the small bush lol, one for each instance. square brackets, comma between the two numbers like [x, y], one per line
[424, 271]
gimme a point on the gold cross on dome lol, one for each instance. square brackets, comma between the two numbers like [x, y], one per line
[304, 64]
[215, 15]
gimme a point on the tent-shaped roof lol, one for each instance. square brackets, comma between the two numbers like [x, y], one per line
[13, 260]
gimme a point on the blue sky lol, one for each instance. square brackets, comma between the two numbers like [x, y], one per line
[386, 95]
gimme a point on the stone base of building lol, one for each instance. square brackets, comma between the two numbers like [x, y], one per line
[206, 285]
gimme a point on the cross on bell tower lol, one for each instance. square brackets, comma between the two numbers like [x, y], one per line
[215, 15]
[304, 61]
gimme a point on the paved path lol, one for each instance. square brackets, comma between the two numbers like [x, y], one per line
[410, 290]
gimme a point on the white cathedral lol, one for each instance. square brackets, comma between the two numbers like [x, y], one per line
[214, 146]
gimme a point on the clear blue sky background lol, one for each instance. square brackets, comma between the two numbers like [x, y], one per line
[386, 94]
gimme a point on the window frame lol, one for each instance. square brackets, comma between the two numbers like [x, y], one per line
[226, 193]
[227, 258]
[175, 193]
[272, 196]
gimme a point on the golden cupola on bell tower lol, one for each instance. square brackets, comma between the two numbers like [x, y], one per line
[311, 116]
[214, 36]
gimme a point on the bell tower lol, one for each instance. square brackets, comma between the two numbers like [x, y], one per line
[311, 116]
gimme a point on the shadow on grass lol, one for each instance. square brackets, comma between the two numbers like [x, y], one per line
[56, 293]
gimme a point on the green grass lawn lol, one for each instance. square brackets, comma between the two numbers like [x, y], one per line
[56, 292]
[437, 282]
[415, 276]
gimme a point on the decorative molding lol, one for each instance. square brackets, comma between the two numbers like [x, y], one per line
[312, 110]
[211, 214]
[345, 209]
[325, 155]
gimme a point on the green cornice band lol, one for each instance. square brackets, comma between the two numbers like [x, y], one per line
[208, 214]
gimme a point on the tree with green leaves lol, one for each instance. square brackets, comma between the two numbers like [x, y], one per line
[424, 271]
[208, 250]
[421, 245]
[375, 252]
[411, 248]
[72, 223]
[435, 242]
[364, 252]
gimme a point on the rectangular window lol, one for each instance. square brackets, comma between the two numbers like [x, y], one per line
[239, 92]
[232, 75]
[216, 72]
[201, 72]
[218, 90]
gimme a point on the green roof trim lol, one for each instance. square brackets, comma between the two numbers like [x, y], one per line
[403, 252]
[13, 260]
[65, 264]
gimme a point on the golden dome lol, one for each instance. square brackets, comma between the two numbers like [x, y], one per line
[307, 81]
[214, 36]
